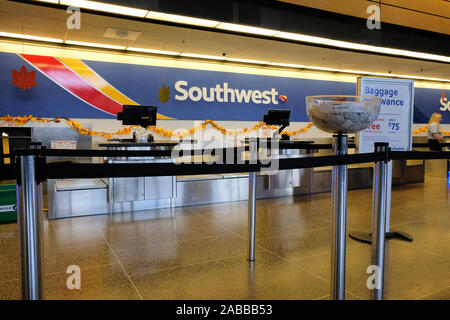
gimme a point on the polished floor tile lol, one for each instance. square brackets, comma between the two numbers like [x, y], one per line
[271, 219]
[409, 273]
[10, 290]
[426, 232]
[269, 277]
[179, 228]
[9, 267]
[155, 257]
[299, 245]
[8, 239]
[59, 259]
[97, 283]
[442, 294]
[441, 249]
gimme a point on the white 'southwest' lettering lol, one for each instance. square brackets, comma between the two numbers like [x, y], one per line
[222, 93]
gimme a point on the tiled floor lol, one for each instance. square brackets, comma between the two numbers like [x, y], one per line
[200, 252]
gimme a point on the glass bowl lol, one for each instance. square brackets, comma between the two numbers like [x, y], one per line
[342, 114]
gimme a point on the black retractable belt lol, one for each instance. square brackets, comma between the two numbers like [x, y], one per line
[77, 170]
[121, 170]
[418, 155]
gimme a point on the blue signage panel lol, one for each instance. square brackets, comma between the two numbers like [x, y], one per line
[200, 95]
[52, 87]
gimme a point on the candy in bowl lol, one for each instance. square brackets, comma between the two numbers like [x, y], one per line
[342, 114]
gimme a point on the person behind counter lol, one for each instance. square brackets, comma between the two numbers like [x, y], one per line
[434, 132]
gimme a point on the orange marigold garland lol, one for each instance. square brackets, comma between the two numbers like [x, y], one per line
[74, 125]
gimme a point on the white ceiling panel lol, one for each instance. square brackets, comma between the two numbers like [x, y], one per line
[50, 22]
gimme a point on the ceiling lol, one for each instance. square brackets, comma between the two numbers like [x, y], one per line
[50, 22]
[430, 15]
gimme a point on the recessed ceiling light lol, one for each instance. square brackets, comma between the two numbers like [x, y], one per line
[100, 6]
[172, 53]
[300, 37]
[322, 68]
[247, 61]
[29, 37]
[413, 54]
[97, 45]
[201, 56]
[380, 74]
[347, 45]
[246, 29]
[182, 19]
[353, 71]
[287, 65]
[392, 51]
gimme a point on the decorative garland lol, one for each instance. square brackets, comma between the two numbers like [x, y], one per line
[425, 128]
[160, 131]
[169, 133]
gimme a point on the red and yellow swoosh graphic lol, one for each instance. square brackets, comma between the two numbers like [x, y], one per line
[76, 77]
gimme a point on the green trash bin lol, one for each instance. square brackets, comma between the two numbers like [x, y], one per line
[8, 203]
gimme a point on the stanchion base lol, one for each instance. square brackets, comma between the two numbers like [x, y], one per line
[399, 235]
[366, 237]
[361, 236]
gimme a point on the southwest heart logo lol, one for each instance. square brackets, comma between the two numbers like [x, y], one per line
[445, 104]
[283, 99]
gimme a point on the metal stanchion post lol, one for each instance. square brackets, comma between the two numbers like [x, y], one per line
[29, 231]
[251, 215]
[380, 197]
[40, 193]
[388, 195]
[339, 218]
[253, 151]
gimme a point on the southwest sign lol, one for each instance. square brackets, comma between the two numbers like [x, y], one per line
[222, 93]
[75, 88]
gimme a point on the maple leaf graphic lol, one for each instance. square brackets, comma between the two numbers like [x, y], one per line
[164, 93]
[24, 79]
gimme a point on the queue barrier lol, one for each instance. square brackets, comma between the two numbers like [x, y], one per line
[30, 168]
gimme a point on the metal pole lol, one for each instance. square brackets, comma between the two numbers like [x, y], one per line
[29, 231]
[40, 193]
[251, 215]
[339, 218]
[388, 196]
[380, 186]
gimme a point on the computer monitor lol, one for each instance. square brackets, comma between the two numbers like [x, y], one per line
[143, 116]
[277, 117]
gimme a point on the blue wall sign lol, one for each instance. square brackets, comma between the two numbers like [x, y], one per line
[62, 88]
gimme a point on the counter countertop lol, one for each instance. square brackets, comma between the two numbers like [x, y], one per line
[139, 144]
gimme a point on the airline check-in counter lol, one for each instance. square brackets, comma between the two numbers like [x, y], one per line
[78, 197]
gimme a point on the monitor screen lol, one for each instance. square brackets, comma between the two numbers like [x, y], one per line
[143, 116]
[277, 117]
